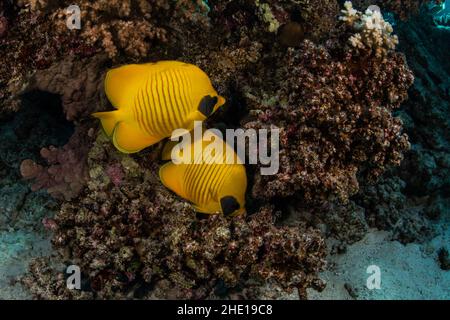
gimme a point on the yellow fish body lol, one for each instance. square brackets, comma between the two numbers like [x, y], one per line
[211, 183]
[154, 99]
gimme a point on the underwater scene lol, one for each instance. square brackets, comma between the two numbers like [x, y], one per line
[224, 149]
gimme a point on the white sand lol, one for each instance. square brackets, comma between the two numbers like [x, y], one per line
[407, 272]
[17, 248]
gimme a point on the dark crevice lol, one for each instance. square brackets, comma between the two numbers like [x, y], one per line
[39, 123]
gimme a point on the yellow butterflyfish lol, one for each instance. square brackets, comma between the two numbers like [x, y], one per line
[210, 181]
[154, 99]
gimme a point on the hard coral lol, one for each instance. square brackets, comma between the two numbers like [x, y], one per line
[42, 282]
[131, 26]
[373, 33]
[78, 81]
[335, 119]
[403, 8]
[27, 43]
[138, 235]
[387, 208]
[65, 173]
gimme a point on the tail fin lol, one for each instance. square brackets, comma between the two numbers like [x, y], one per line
[122, 83]
[109, 120]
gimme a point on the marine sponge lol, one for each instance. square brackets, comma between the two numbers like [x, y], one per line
[373, 33]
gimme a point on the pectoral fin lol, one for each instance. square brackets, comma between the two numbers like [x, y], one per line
[204, 210]
[166, 153]
[109, 120]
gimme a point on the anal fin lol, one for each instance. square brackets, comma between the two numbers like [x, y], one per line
[171, 176]
[129, 138]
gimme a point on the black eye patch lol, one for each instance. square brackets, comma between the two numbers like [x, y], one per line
[229, 205]
[207, 104]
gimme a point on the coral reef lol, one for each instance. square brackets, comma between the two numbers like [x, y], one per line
[65, 174]
[78, 82]
[129, 27]
[138, 233]
[387, 208]
[335, 119]
[403, 8]
[373, 32]
[31, 42]
[333, 87]
[50, 284]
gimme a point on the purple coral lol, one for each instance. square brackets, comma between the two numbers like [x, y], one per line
[66, 170]
[115, 173]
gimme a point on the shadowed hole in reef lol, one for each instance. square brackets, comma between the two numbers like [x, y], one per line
[39, 123]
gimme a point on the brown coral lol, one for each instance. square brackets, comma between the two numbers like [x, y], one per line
[335, 120]
[78, 82]
[129, 27]
[31, 43]
[138, 234]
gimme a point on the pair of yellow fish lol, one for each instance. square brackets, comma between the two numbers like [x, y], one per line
[154, 99]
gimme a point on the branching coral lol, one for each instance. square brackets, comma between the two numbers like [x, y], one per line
[403, 8]
[65, 173]
[335, 120]
[138, 233]
[129, 26]
[373, 33]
